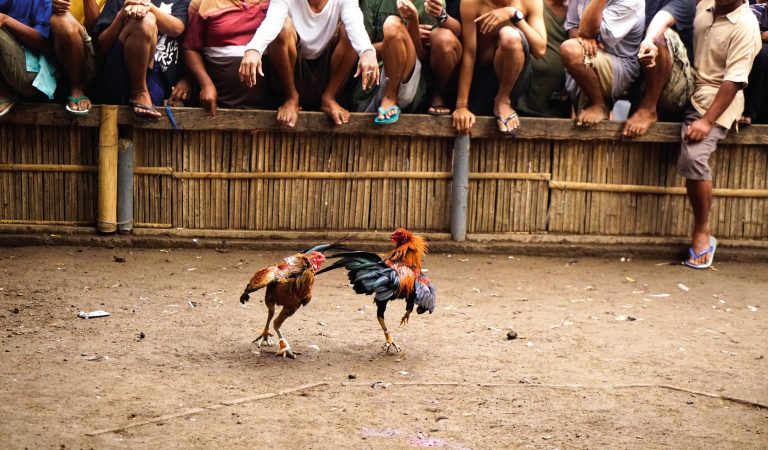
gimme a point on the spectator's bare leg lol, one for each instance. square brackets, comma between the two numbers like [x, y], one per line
[68, 45]
[700, 195]
[508, 63]
[445, 55]
[655, 77]
[342, 62]
[597, 110]
[139, 38]
[399, 56]
[282, 56]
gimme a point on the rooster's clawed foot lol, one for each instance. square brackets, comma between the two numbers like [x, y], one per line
[390, 343]
[404, 320]
[263, 340]
[285, 350]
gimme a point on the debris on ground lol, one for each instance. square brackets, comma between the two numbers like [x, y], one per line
[119, 258]
[511, 334]
[683, 287]
[92, 314]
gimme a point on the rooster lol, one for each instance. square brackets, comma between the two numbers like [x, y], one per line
[397, 276]
[289, 284]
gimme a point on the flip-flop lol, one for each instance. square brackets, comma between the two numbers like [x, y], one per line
[76, 100]
[707, 251]
[143, 117]
[10, 101]
[505, 122]
[391, 119]
[433, 110]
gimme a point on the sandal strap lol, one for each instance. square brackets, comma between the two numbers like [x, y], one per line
[77, 99]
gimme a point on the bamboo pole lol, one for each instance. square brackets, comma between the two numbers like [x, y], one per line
[106, 213]
[640, 189]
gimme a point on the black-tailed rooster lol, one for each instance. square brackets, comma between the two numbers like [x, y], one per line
[289, 285]
[397, 276]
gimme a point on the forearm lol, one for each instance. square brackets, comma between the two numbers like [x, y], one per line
[453, 25]
[414, 33]
[109, 36]
[465, 76]
[591, 18]
[722, 101]
[196, 65]
[91, 10]
[659, 24]
[166, 23]
[536, 36]
[27, 35]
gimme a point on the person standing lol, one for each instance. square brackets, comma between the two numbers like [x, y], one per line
[726, 39]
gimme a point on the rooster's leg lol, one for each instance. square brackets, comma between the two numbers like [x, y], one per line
[285, 349]
[264, 337]
[380, 308]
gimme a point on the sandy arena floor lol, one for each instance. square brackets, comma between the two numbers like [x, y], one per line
[174, 367]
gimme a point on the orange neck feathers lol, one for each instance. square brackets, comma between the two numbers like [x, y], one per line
[410, 249]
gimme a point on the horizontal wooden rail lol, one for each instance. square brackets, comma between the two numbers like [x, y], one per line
[641, 189]
[47, 168]
[198, 119]
[168, 171]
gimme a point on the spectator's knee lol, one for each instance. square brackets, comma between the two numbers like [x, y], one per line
[443, 42]
[146, 27]
[64, 25]
[510, 39]
[287, 33]
[394, 28]
[571, 52]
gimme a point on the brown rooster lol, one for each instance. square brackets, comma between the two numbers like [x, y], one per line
[289, 285]
[399, 275]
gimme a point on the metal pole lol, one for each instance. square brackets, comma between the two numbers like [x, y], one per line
[125, 185]
[460, 188]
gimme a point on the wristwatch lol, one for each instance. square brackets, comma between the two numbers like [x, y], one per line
[442, 17]
[517, 17]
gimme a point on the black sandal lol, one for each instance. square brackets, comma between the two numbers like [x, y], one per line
[139, 117]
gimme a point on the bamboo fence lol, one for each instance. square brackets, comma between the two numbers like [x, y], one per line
[221, 175]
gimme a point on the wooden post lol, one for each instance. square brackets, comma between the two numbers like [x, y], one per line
[106, 212]
[460, 188]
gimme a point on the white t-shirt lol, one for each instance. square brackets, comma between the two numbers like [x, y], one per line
[315, 30]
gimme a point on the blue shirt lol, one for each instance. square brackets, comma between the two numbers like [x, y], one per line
[32, 13]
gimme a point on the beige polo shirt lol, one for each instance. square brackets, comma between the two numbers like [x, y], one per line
[724, 50]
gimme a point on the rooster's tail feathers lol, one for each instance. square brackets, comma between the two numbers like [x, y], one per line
[322, 248]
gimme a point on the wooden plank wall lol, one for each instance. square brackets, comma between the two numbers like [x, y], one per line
[227, 178]
[56, 183]
[304, 184]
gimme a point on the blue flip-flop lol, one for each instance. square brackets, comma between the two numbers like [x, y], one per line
[707, 251]
[391, 119]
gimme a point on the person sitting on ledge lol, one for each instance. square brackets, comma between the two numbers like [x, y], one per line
[395, 28]
[24, 25]
[311, 54]
[502, 35]
[138, 40]
[214, 43]
[71, 23]
[665, 54]
[601, 54]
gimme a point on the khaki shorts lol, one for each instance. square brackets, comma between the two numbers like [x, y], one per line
[603, 66]
[693, 162]
[13, 66]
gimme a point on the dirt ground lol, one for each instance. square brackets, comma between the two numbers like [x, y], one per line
[173, 365]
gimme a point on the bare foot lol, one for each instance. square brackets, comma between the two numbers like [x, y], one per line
[334, 111]
[83, 103]
[142, 106]
[506, 117]
[638, 123]
[700, 242]
[288, 112]
[592, 115]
